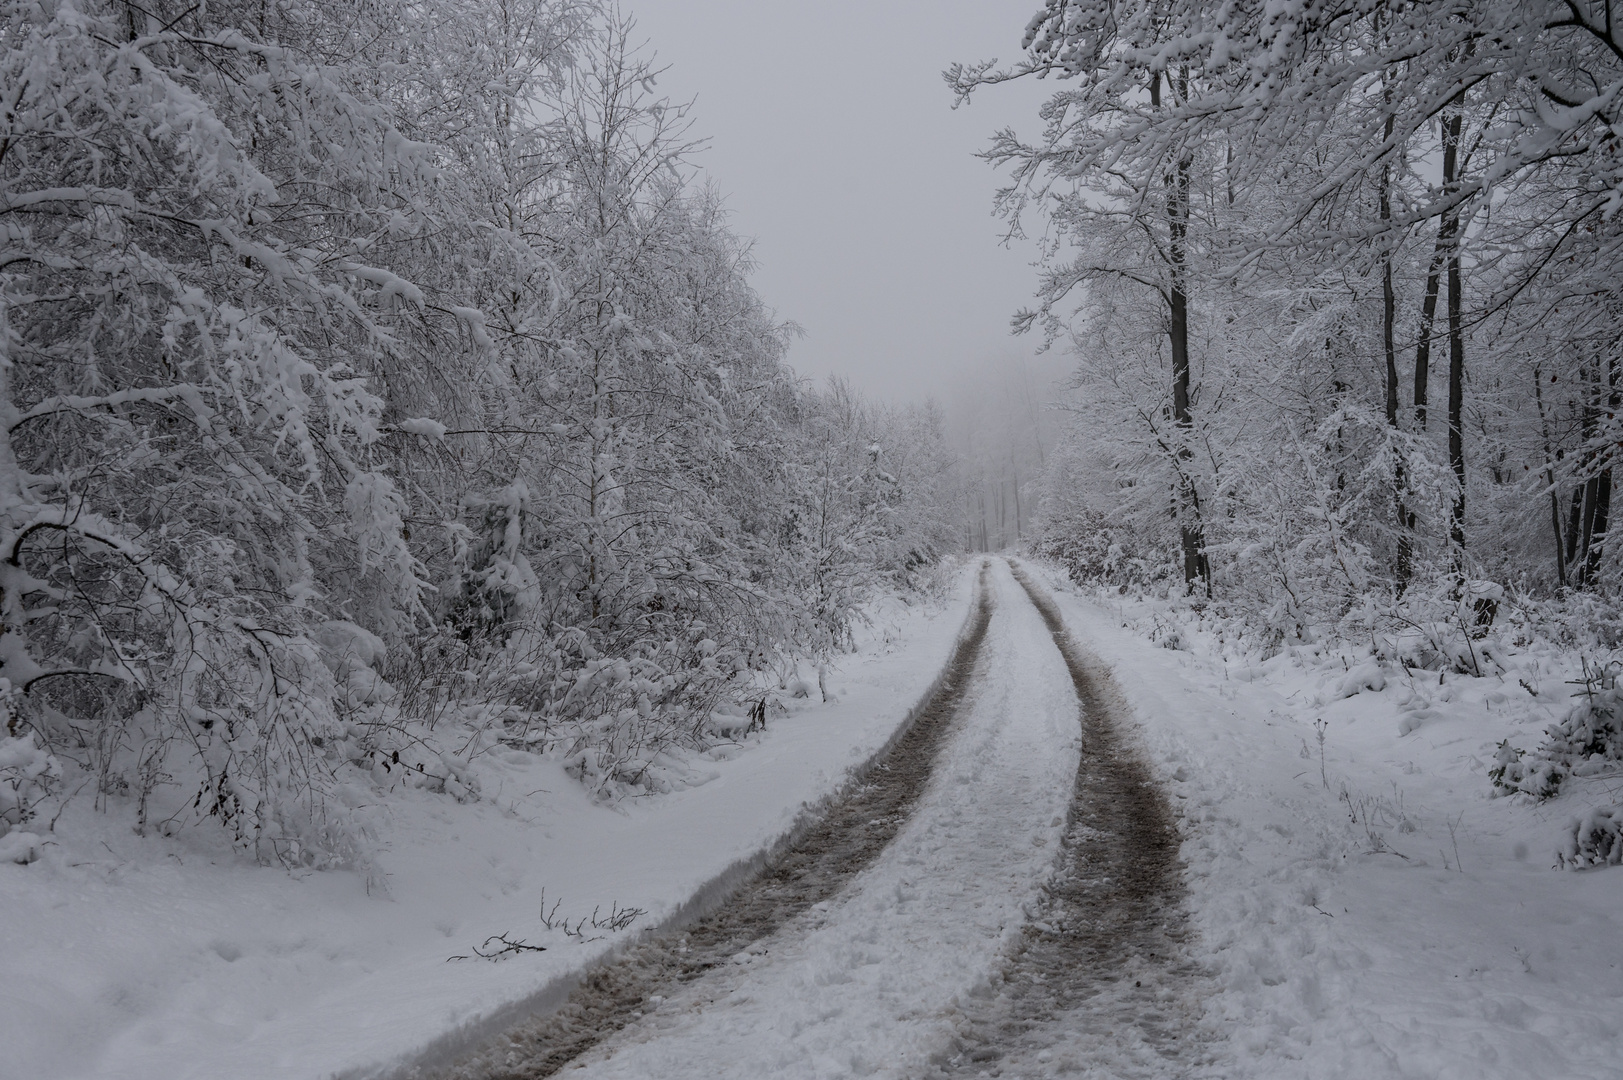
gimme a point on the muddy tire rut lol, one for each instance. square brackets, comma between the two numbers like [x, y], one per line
[1100, 981]
[832, 851]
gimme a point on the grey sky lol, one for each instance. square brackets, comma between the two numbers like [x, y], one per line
[833, 139]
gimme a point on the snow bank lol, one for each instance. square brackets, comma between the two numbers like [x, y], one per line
[147, 957]
[1365, 906]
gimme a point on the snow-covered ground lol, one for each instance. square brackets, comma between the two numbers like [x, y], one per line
[1363, 907]
[1373, 912]
[868, 985]
[130, 958]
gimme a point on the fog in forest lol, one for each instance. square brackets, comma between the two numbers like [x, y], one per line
[833, 138]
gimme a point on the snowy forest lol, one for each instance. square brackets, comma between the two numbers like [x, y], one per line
[444, 637]
[1342, 284]
[380, 384]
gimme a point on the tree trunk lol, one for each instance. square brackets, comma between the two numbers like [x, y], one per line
[1428, 316]
[1456, 332]
[1192, 535]
[1555, 525]
[1596, 547]
[1456, 403]
[1389, 318]
[1405, 560]
[1586, 528]
[1549, 478]
[1582, 522]
[1574, 524]
[1597, 511]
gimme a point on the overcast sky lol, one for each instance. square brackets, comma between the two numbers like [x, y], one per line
[834, 141]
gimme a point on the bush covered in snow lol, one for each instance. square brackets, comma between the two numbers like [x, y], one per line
[1595, 839]
[27, 776]
[1586, 742]
[1514, 772]
[1093, 553]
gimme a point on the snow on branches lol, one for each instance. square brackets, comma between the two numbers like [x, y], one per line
[375, 387]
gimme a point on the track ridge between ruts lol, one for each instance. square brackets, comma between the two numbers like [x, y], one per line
[832, 851]
[1100, 981]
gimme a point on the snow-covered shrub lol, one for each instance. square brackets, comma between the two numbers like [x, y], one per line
[1514, 771]
[1440, 625]
[1595, 839]
[1586, 742]
[1095, 522]
[1094, 553]
[612, 716]
[496, 582]
[27, 776]
[1590, 737]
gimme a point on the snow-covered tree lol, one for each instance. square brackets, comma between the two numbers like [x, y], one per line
[377, 383]
[201, 207]
[1371, 189]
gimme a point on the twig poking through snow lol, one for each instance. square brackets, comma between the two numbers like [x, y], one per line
[618, 919]
[508, 948]
[1321, 725]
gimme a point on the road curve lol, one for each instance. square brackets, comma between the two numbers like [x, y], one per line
[1002, 897]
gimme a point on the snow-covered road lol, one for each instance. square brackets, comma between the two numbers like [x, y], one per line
[1102, 983]
[874, 981]
[869, 986]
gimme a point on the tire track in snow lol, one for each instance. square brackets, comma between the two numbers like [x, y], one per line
[871, 982]
[1101, 983]
[849, 836]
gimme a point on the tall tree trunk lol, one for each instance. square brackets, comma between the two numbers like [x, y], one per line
[1428, 316]
[1549, 478]
[1196, 567]
[1389, 318]
[1574, 524]
[1586, 528]
[1582, 519]
[1389, 311]
[1456, 405]
[1598, 525]
[1555, 526]
[1422, 351]
[1598, 489]
[1019, 531]
[1456, 331]
[1405, 519]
